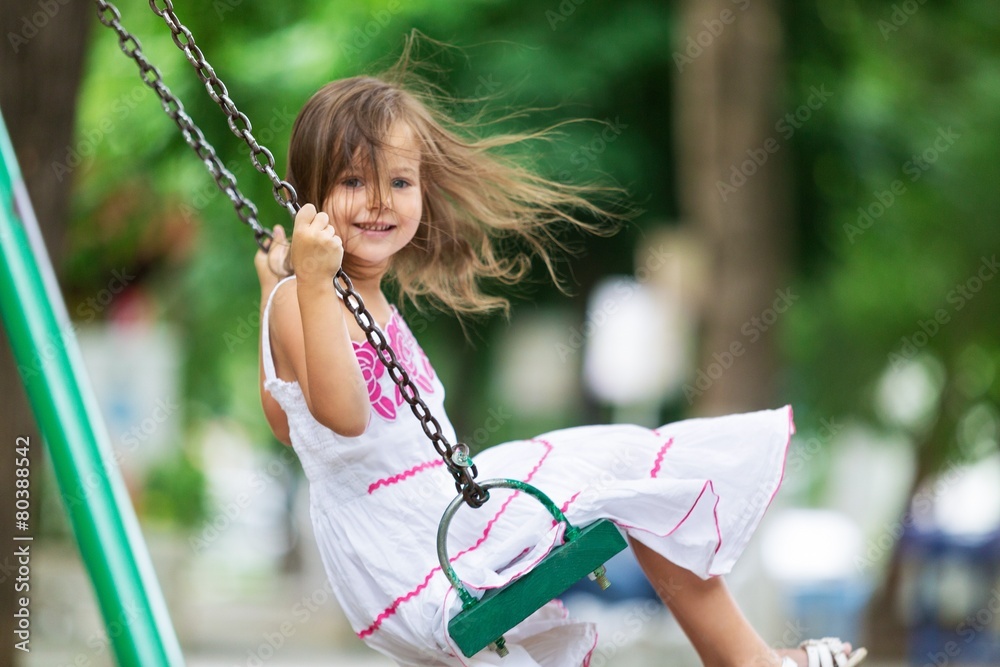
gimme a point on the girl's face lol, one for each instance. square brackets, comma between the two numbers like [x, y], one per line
[375, 228]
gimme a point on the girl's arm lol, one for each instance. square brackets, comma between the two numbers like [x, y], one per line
[276, 417]
[313, 344]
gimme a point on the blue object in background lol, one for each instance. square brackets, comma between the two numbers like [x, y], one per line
[832, 608]
[951, 592]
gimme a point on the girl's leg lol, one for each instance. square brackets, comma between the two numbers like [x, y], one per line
[707, 614]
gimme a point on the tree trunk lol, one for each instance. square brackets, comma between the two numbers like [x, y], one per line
[733, 189]
[40, 73]
[886, 630]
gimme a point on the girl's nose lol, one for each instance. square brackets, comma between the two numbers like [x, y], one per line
[377, 200]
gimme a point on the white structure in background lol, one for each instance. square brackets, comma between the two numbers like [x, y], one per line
[639, 331]
[135, 372]
[537, 375]
[908, 392]
[630, 351]
[813, 554]
[805, 546]
[966, 498]
[635, 346]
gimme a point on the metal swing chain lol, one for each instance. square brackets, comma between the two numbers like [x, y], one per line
[261, 157]
[109, 15]
[455, 457]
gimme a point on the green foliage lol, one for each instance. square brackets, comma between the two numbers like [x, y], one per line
[174, 492]
[898, 227]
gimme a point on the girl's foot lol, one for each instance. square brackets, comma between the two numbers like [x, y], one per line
[826, 652]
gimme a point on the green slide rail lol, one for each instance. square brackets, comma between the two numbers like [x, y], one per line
[48, 357]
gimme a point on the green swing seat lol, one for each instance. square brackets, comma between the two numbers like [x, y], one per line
[482, 622]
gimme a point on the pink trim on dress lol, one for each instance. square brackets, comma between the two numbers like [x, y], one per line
[486, 531]
[707, 486]
[784, 458]
[587, 658]
[715, 517]
[548, 450]
[567, 504]
[399, 477]
[659, 458]
[391, 609]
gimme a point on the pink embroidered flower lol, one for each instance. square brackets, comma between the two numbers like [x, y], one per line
[371, 370]
[412, 358]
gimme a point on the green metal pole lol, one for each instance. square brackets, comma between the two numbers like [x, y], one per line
[48, 357]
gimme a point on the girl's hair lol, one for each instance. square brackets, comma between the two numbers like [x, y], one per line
[478, 205]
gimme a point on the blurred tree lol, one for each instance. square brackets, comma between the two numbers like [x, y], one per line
[40, 72]
[732, 182]
[895, 179]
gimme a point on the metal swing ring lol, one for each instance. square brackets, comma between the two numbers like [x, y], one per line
[468, 599]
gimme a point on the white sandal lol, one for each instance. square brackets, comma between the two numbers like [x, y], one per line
[828, 652]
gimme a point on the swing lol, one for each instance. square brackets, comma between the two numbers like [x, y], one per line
[482, 622]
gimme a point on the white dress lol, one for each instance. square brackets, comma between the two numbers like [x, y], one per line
[694, 491]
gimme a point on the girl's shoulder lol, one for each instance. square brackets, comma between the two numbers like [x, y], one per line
[286, 284]
[282, 295]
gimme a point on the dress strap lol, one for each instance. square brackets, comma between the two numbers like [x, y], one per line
[265, 333]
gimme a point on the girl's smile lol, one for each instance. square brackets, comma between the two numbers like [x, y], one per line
[374, 228]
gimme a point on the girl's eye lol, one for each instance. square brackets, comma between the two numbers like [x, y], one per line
[400, 183]
[352, 182]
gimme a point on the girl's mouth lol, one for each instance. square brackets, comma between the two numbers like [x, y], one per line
[374, 226]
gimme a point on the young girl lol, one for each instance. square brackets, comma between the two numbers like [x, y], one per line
[398, 194]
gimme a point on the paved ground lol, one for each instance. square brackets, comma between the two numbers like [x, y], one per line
[230, 616]
[340, 658]
[332, 658]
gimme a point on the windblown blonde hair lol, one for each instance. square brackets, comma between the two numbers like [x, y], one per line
[484, 213]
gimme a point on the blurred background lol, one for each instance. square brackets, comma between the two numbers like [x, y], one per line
[818, 193]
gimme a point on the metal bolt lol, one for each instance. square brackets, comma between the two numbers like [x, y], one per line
[500, 646]
[599, 575]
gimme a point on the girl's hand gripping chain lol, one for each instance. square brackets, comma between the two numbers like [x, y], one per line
[317, 251]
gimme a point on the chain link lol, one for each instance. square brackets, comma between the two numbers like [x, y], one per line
[455, 457]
